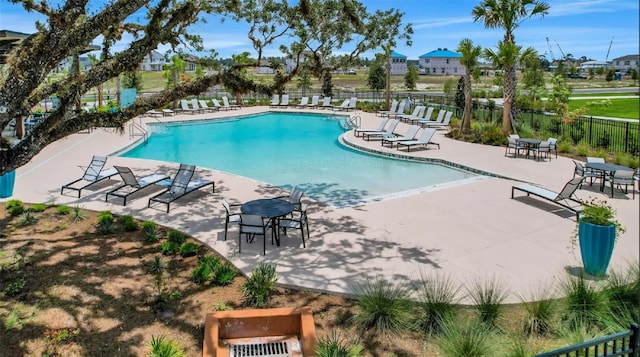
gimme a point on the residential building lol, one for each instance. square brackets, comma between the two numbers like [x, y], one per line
[441, 62]
[398, 64]
[587, 65]
[153, 62]
[265, 67]
[626, 63]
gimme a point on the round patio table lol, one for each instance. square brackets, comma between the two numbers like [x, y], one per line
[271, 208]
[605, 169]
[530, 143]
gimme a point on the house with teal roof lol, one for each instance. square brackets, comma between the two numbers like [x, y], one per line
[398, 63]
[441, 62]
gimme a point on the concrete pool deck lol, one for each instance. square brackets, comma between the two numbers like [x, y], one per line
[471, 232]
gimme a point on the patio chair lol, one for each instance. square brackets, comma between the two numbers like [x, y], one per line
[513, 146]
[426, 117]
[93, 174]
[304, 102]
[326, 103]
[442, 125]
[231, 215]
[595, 160]
[186, 109]
[225, 103]
[417, 114]
[299, 221]
[400, 111]
[564, 198]
[284, 102]
[622, 178]
[424, 139]
[367, 135]
[181, 185]
[132, 184]
[582, 171]
[196, 106]
[275, 101]
[439, 118]
[544, 148]
[167, 112]
[314, 101]
[392, 109]
[216, 104]
[553, 145]
[294, 197]
[251, 226]
[206, 108]
[342, 106]
[380, 127]
[408, 136]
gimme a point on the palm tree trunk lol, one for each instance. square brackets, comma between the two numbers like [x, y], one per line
[509, 94]
[466, 117]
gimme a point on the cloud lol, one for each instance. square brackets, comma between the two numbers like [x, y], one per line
[441, 22]
[572, 8]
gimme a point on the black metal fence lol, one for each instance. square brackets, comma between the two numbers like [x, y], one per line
[623, 344]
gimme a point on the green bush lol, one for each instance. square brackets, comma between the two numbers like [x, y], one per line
[334, 345]
[106, 222]
[494, 136]
[15, 287]
[157, 265]
[583, 149]
[201, 273]
[383, 306]
[63, 210]
[541, 308]
[176, 237]
[164, 347]
[224, 274]
[584, 301]
[488, 297]
[151, 230]
[189, 249]
[129, 223]
[38, 207]
[465, 338]
[78, 214]
[437, 296]
[15, 207]
[257, 289]
[169, 248]
[27, 219]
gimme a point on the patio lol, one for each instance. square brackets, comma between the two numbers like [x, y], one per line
[469, 231]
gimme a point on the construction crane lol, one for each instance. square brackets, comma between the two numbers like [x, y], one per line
[610, 43]
[553, 58]
[561, 51]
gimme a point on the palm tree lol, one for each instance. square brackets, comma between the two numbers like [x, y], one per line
[508, 14]
[506, 58]
[469, 60]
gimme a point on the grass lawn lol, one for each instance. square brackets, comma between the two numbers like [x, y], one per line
[618, 108]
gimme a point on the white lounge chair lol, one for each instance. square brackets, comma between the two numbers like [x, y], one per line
[442, 125]
[167, 112]
[304, 102]
[400, 110]
[194, 104]
[380, 127]
[423, 140]
[275, 101]
[392, 109]
[225, 103]
[216, 104]
[132, 184]
[206, 108]
[342, 106]
[326, 103]
[564, 198]
[314, 101]
[408, 136]
[439, 118]
[425, 117]
[284, 102]
[368, 135]
[417, 114]
[182, 184]
[186, 109]
[93, 174]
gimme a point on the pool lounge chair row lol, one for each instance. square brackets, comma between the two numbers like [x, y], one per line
[182, 183]
[409, 139]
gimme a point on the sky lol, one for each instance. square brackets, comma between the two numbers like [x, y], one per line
[598, 29]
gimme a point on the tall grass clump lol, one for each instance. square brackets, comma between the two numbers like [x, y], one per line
[488, 296]
[383, 305]
[623, 289]
[151, 230]
[584, 301]
[129, 223]
[334, 345]
[106, 222]
[161, 346]
[257, 289]
[541, 309]
[437, 299]
[464, 338]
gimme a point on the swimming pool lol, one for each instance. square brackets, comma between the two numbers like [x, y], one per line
[293, 149]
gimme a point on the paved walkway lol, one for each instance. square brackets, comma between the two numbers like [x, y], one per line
[470, 232]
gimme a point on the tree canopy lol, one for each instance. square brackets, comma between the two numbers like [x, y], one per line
[308, 31]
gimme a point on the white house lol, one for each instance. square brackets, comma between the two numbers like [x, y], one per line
[441, 62]
[264, 67]
[398, 63]
[154, 62]
[626, 63]
[587, 65]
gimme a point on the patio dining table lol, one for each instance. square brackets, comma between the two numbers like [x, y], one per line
[604, 170]
[270, 208]
[529, 143]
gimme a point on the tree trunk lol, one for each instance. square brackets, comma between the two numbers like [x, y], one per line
[466, 117]
[387, 89]
[509, 94]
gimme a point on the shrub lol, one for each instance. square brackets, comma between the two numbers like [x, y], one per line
[493, 136]
[38, 207]
[189, 249]
[201, 273]
[175, 237]
[334, 345]
[540, 309]
[583, 149]
[157, 265]
[437, 296]
[27, 219]
[224, 274]
[564, 147]
[15, 207]
[383, 305]
[464, 338]
[15, 287]
[106, 222]
[163, 347]
[257, 289]
[151, 230]
[78, 214]
[129, 223]
[212, 261]
[63, 210]
[169, 248]
[584, 301]
[488, 297]
[623, 290]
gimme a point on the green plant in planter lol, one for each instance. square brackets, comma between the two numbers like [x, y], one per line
[597, 228]
[189, 249]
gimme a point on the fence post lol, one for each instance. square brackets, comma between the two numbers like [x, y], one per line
[590, 132]
[634, 341]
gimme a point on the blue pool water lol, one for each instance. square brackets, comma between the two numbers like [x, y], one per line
[292, 149]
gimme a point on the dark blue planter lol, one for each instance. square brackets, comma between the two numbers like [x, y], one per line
[596, 247]
[6, 184]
